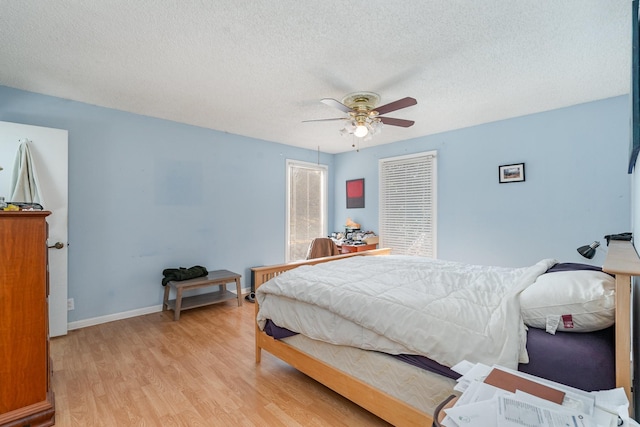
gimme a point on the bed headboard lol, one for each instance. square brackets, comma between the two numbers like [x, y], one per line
[623, 261]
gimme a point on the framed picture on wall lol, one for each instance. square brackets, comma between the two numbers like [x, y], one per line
[355, 193]
[511, 173]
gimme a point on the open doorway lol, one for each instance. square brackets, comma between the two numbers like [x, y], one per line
[49, 148]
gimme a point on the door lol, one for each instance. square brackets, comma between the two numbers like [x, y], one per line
[49, 149]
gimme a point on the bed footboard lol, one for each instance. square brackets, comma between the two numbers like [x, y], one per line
[370, 398]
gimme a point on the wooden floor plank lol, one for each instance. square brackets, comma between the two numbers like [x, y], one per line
[198, 371]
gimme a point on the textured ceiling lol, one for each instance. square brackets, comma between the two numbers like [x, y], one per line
[259, 68]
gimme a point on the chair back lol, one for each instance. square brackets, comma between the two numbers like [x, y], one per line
[322, 247]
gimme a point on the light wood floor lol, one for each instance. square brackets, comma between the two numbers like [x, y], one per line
[198, 371]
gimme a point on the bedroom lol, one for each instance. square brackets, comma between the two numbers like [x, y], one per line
[124, 227]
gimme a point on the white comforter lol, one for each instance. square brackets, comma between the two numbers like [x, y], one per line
[444, 310]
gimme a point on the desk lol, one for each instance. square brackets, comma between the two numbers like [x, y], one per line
[215, 278]
[346, 249]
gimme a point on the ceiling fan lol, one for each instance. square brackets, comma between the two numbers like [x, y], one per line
[364, 118]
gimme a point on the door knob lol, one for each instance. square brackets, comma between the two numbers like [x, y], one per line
[58, 245]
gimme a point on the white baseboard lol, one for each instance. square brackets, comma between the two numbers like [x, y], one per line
[125, 315]
[113, 317]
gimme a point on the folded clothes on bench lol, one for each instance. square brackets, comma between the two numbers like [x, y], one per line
[183, 273]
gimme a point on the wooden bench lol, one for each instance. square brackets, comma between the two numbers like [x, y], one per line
[215, 278]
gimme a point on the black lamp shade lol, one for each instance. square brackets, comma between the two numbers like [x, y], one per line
[588, 251]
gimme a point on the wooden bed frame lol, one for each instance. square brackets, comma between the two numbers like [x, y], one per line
[621, 260]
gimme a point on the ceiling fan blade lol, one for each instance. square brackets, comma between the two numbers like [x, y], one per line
[336, 104]
[396, 105]
[325, 120]
[396, 122]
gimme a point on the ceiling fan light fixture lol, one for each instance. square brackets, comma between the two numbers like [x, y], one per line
[364, 118]
[361, 131]
[375, 126]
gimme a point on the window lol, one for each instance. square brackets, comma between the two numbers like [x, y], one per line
[306, 207]
[408, 204]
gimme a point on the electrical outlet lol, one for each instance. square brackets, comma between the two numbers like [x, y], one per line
[70, 304]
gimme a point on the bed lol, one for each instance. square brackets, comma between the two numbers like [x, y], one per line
[403, 393]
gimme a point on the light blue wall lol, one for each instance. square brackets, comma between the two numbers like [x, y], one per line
[577, 188]
[147, 194]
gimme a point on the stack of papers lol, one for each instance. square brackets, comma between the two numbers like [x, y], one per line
[501, 397]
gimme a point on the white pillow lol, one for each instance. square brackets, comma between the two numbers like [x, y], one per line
[570, 301]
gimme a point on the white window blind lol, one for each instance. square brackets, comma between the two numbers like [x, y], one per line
[306, 207]
[408, 204]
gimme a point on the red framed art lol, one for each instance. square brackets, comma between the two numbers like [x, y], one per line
[355, 193]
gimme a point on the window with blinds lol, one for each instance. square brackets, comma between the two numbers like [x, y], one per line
[306, 207]
[408, 204]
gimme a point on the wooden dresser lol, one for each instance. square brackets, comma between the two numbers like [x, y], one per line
[26, 398]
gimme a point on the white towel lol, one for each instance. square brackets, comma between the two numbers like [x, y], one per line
[24, 182]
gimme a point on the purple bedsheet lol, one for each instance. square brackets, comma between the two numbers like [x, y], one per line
[582, 360]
